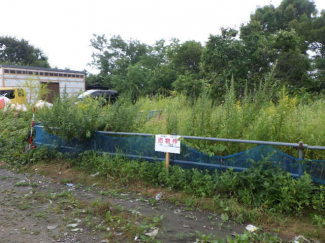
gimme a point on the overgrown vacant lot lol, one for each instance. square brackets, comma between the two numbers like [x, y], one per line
[193, 201]
[262, 116]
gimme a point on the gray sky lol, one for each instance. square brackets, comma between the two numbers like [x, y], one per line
[63, 28]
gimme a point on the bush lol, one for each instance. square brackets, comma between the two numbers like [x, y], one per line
[14, 134]
[69, 120]
[267, 186]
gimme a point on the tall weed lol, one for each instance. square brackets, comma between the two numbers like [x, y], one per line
[264, 115]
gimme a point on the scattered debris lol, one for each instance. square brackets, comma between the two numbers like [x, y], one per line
[18, 107]
[177, 211]
[158, 197]
[315, 241]
[72, 225]
[70, 184]
[52, 227]
[96, 174]
[42, 103]
[153, 233]
[77, 229]
[300, 239]
[4, 101]
[136, 212]
[251, 228]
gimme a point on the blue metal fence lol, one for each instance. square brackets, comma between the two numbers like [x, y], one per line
[141, 146]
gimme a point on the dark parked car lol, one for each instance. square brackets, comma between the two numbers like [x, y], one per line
[108, 95]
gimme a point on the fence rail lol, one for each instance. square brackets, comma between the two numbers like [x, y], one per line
[299, 145]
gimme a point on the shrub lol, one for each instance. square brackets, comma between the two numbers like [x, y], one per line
[69, 120]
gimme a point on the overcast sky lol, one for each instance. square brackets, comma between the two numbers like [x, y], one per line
[63, 28]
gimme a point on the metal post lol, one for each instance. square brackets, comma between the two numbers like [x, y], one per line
[301, 156]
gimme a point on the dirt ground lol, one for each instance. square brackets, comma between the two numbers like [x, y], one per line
[38, 208]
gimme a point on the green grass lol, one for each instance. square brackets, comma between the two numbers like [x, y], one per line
[286, 120]
[278, 117]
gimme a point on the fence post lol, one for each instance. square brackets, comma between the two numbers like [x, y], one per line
[301, 156]
[167, 161]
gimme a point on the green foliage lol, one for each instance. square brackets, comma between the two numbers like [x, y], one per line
[185, 57]
[13, 129]
[135, 81]
[201, 183]
[265, 115]
[188, 85]
[123, 115]
[275, 39]
[249, 237]
[270, 187]
[263, 186]
[36, 90]
[20, 52]
[14, 139]
[318, 198]
[205, 238]
[14, 132]
[69, 120]
[224, 57]
[319, 220]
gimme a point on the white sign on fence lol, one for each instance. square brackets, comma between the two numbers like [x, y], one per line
[168, 143]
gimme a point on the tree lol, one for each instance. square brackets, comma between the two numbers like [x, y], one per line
[188, 85]
[318, 48]
[155, 56]
[276, 40]
[130, 65]
[20, 52]
[293, 63]
[35, 89]
[223, 57]
[185, 57]
[281, 35]
[113, 56]
[162, 78]
[134, 82]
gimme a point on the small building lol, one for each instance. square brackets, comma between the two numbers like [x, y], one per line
[73, 82]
